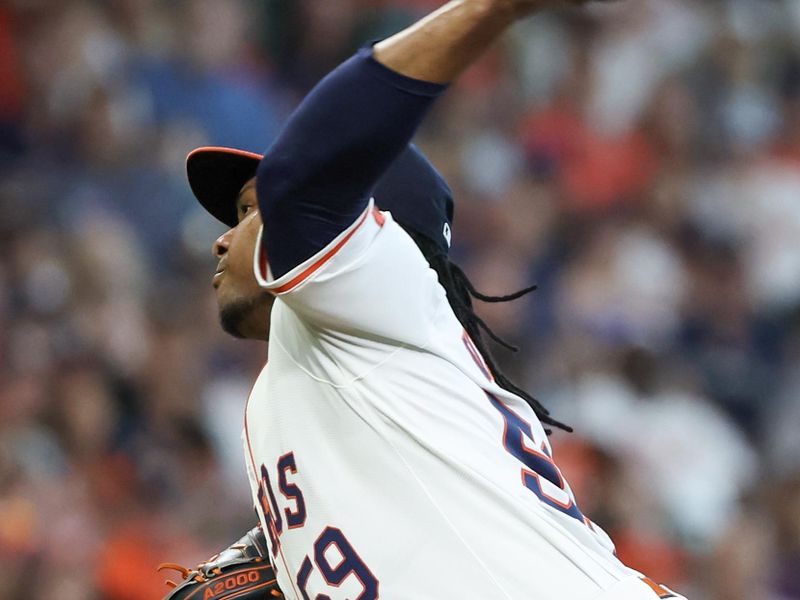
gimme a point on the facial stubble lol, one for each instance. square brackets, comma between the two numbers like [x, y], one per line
[235, 315]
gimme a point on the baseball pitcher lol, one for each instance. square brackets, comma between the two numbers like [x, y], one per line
[388, 456]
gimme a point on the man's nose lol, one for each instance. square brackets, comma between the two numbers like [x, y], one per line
[221, 244]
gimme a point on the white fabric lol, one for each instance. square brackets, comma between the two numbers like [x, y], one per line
[634, 589]
[374, 394]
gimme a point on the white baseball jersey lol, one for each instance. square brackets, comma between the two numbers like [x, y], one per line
[386, 463]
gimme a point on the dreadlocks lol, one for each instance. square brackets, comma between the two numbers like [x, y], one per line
[460, 293]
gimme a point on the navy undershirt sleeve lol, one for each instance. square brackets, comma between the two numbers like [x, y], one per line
[317, 177]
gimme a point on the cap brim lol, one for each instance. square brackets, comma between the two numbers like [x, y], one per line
[216, 175]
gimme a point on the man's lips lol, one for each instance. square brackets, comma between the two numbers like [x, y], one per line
[217, 275]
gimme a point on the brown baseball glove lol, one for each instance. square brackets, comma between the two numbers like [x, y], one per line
[242, 571]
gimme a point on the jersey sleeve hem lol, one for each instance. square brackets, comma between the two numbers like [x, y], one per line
[301, 273]
[417, 87]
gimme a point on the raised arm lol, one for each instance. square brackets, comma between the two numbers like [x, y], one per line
[440, 46]
[317, 177]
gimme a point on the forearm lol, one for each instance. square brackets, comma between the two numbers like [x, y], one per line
[440, 46]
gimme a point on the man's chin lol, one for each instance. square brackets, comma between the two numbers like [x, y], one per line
[231, 323]
[238, 317]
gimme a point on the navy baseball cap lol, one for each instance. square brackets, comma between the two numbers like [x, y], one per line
[411, 189]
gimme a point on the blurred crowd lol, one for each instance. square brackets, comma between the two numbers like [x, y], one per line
[639, 160]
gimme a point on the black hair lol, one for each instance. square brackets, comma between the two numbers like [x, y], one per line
[460, 292]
